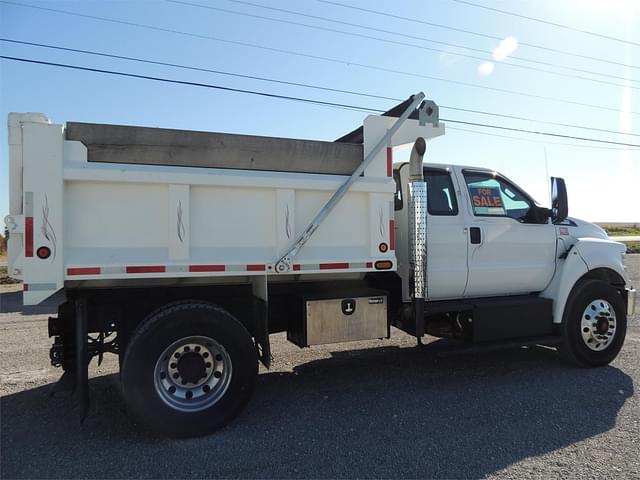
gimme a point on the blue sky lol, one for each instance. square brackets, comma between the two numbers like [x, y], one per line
[603, 182]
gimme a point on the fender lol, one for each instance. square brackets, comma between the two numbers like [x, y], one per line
[601, 253]
[584, 256]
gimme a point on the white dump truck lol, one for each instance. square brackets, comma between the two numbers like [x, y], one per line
[182, 251]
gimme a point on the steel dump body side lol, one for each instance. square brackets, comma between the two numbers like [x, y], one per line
[169, 217]
[237, 220]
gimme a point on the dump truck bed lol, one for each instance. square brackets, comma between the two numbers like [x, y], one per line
[112, 205]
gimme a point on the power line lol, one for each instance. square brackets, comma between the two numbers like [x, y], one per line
[478, 34]
[534, 132]
[404, 44]
[301, 99]
[546, 122]
[192, 84]
[546, 22]
[319, 57]
[425, 39]
[542, 142]
[201, 69]
[304, 85]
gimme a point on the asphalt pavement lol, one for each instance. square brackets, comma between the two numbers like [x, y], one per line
[367, 409]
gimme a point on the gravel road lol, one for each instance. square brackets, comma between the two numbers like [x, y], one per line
[371, 409]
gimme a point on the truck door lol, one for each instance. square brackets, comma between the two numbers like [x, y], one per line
[446, 237]
[511, 242]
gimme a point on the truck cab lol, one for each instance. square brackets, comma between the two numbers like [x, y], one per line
[493, 252]
[485, 235]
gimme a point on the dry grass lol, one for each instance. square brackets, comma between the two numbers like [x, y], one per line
[621, 229]
[4, 278]
[633, 247]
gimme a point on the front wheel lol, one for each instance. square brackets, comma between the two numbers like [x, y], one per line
[188, 369]
[594, 324]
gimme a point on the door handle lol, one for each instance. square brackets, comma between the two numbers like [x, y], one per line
[475, 235]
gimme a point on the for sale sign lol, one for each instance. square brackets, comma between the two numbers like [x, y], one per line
[486, 200]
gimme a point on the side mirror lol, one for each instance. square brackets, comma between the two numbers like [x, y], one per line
[559, 202]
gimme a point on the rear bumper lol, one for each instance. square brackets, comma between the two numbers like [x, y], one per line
[632, 295]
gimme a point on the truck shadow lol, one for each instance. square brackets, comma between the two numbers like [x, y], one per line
[387, 412]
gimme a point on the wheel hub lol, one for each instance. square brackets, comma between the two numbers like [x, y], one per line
[598, 325]
[192, 373]
[191, 367]
[602, 326]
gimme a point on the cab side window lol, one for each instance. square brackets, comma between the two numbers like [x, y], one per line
[397, 199]
[493, 196]
[441, 196]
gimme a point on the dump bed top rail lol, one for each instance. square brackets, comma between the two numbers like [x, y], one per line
[184, 148]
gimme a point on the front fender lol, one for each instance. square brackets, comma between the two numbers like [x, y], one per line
[601, 253]
[586, 254]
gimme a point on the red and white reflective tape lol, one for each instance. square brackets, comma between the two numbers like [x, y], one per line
[206, 268]
[28, 224]
[28, 236]
[392, 235]
[38, 287]
[146, 269]
[209, 268]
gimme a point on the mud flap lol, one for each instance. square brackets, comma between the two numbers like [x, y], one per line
[263, 346]
[82, 357]
[75, 379]
[261, 318]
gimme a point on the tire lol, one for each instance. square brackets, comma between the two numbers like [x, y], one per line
[596, 306]
[187, 347]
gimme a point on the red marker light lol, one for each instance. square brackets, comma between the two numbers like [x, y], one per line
[43, 252]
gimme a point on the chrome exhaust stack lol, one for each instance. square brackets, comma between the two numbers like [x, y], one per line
[418, 234]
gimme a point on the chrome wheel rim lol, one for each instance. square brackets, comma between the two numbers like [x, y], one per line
[192, 373]
[598, 325]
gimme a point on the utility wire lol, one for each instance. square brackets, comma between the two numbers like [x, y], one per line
[534, 132]
[396, 42]
[425, 39]
[319, 57]
[301, 99]
[547, 22]
[200, 69]
[542, 142]
[478, 34]
[546, 122]
[192, 84]
[304, 85]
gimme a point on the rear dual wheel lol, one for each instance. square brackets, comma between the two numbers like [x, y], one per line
[188, 369]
